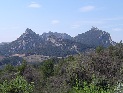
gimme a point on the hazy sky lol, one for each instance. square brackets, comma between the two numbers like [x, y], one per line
[66, 16]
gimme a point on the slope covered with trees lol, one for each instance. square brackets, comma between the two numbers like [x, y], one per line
[98, 71]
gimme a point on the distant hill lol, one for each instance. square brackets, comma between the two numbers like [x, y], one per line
[56, 44]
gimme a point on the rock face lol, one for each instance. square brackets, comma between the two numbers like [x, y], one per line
[25, 43]
[48, 44]
[4, 43]
[56, 44]
[58, 35]
[95, 37]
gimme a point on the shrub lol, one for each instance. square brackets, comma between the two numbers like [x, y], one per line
[99, 49]
[17, 85]
[22, 67]
[48, 68]
[90, 88]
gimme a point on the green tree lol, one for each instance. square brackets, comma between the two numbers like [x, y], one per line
[17, 85]
[22, 67]
[99, 49]
[48, 68]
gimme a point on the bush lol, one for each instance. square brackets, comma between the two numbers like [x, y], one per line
[17, 85]
[9, 68]
[99, 49]
[48, 68]
[90, 88]
[22, 67]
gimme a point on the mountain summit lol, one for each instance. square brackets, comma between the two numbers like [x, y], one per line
[29, 31]
[56, 44]
[95, 37]
[28, 35]
[58, 35]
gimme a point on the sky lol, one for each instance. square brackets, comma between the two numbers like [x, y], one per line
[64, 16]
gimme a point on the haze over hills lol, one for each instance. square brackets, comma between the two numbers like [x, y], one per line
[56, 44]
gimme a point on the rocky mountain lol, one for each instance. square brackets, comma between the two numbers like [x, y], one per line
[56, 44]
[58, 35]
[95, 37]
[3, 43]
[53, 45]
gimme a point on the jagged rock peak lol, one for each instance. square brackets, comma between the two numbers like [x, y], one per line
[57, 35]
[28, 34]
[29, 31]
[95, 37]
[94, 28]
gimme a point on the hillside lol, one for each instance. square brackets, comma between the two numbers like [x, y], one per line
[99, 71]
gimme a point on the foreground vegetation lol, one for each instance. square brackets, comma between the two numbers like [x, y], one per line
[98, 71]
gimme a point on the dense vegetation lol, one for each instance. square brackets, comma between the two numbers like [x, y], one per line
[98, 71]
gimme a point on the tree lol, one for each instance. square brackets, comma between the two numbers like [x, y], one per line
[99, 49]
[48, 68]
[17, 85]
